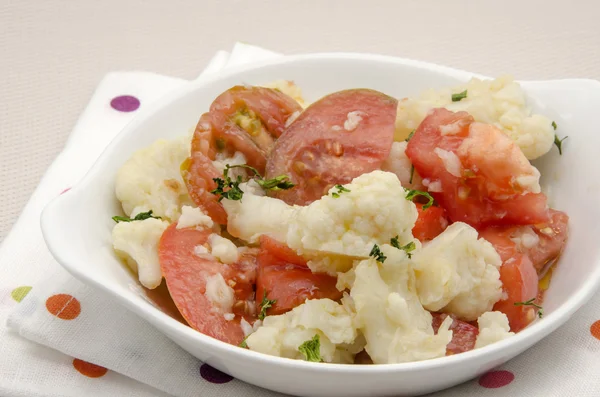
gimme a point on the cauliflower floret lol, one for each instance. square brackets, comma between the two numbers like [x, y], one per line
[151, 179]
[193, 216]
[254, 215]
[388, 312]
[458, 273]
[493, 327]
[500, 102]
[219, 294]
[372, 211]
[282, 335]
[289, 88]
[399, 163]
[137, 243]
[223, 249]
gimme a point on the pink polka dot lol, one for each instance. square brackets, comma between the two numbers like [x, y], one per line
[125, 103]
[213, 375]
[496, 379]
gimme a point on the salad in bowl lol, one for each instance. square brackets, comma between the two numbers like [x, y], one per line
[357, 229]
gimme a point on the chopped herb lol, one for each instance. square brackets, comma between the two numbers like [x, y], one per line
[531, 302]
[459, 96]
[233, 191]
[243, 343]
[410, 135]
[139, 217]
[311, 349]
[408, 248]
[554, 125]
[411, 194]
[377, 254]
[558, 143]
[340, 189]
[281, 182]
[412, 173]
[264, 305]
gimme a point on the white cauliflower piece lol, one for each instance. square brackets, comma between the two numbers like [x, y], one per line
[493, 327]
[399, 163]
[137, 243]
[219, 294]
[389, 315]
[458, 273]
[282, 335]
[500, 102]
[223, 249]
[193, 216]
[372, 212]
[151, 179]
[254, 215]
[289, 88]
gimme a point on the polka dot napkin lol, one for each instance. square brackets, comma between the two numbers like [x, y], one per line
[59, 337]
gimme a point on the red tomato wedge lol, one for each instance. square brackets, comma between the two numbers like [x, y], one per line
[520, 284]
[430, 223]
[336, 139]
[186, 274]
[286, 278]
[464, 335]
[242, 119]
[198, 173]
[484, 187]
[518, 276]
[551, 239]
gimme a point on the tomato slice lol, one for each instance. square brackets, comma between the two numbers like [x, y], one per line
[285, 278]
[186, 274]
[553, 237]
[336, 139]
[518, 275]
[485, 178]
[430, 223]
[464, 335]
[520, 284]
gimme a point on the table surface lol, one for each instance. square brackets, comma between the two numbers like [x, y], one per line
[53, 53]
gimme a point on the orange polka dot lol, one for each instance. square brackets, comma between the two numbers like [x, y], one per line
[88, 369]
[63, 306]
[595, 329]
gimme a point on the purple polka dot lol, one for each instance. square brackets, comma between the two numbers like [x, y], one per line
[213, 375]
[125, 103]
[496, 379]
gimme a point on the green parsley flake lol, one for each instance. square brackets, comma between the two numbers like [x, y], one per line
[311, 349]
[558, 143]
[411, 194]
[264, 305]
[377, 254]
[139, 217]
[554, 125]
[531, 302]
[408, 248]
[340, 189]
[459, 96]
[412, 173]
[410, 135]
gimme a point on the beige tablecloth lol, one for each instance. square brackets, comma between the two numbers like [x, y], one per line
[53, 53]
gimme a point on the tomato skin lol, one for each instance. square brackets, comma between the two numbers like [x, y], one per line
[185, 274]
[285, 277]
[430, 223]
[484, 193]
[464, 335]
[520, 284]
[553, 236]
[317, 151]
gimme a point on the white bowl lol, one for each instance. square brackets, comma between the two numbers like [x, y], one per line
[77, 225]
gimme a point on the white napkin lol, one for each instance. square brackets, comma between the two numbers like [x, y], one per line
[69, 320]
